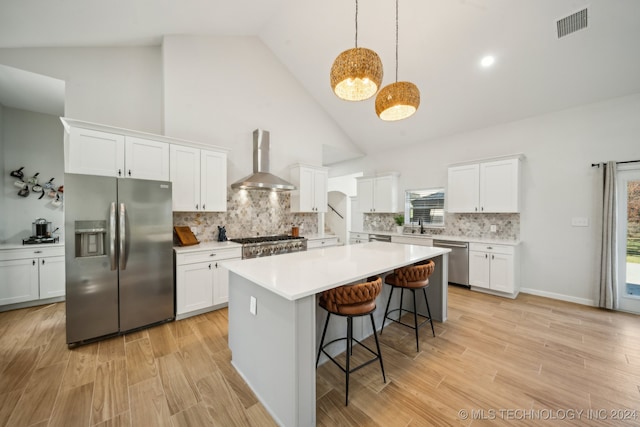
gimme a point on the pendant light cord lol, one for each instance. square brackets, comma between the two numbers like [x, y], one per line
[396, 41]
[356, 23]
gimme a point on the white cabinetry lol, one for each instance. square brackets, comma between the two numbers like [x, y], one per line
[494, 267]
[28, 275]
[378, 194]
[323, 242]
[202, 284]
[311, 188]
[492, 186]
[146, 159]
[96, 152]
[199, 179]
[357, 237]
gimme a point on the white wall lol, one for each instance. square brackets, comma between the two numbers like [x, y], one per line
[32, 140]
[3, 180]
[558, 183]
[114, 86]
[217, 90]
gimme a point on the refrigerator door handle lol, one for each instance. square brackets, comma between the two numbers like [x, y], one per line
[112, 234]
[123, 236]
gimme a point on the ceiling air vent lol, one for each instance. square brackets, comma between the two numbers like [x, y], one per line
[572, 23]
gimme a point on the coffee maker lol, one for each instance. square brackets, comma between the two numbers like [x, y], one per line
[41, 229]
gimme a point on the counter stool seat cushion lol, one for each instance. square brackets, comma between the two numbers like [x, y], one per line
[352, 300]
[414, 277]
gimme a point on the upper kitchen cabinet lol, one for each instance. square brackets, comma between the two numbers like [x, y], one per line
[378, 194]
[93, 149]
[311, 188]
[199, 179]
[491, 186]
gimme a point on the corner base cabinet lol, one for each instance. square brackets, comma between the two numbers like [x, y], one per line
[28, 276]
[494, 269]
[202, 283]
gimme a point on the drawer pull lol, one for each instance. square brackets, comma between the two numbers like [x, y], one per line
[212, 255]
[37, 252]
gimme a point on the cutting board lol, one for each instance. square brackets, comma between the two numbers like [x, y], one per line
[185, 236]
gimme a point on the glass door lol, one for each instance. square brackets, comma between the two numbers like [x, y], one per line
[629, 238]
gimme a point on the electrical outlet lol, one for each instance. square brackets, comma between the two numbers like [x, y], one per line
[194, 230]
[253, 305]
[494, 228]
[580, 222]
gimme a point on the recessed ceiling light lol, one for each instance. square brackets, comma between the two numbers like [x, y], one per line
[487, 61]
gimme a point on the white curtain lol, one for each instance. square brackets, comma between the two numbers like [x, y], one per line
[609, 254]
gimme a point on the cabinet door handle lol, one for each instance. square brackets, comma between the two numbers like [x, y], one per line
[476, 208]
[203, 208]
[482, 209]
[42, 262]
[209, 266]
[216, 265]
[33, 262]
[119, 172]
[196, 207]
[493, 257]
[486, 256]
[129, 172]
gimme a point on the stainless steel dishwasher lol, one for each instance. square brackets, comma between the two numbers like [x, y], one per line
[379, 238]
[458, 260]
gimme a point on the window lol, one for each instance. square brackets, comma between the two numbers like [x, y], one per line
[424, 206]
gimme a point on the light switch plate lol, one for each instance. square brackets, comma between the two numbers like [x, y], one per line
[494, 228]
[253, 306]
[579, 221]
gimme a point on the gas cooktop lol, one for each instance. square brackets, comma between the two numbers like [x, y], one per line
[262, 239]
[253, 247]
[36, 240]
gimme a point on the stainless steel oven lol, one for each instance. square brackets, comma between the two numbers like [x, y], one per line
[458, 260]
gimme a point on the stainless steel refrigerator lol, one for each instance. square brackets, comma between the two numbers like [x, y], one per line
[119, 255]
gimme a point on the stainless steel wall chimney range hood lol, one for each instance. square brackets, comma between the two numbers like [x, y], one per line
[261, 179]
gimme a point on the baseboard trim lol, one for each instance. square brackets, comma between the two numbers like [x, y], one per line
[561, 297]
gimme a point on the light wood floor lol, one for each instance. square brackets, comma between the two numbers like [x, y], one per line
[511, 359]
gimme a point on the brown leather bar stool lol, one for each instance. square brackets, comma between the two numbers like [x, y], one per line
[351, 301]
[414, 277]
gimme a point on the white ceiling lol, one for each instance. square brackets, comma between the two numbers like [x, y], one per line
[441, 44]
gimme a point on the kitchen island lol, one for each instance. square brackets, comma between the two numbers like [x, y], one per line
[272, 315]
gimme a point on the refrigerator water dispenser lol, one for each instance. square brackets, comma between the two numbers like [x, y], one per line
[90, 237]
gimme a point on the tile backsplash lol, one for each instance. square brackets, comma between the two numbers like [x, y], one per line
[474, 225]
[249, 213]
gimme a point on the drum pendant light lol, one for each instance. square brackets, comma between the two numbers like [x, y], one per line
[398, 100]
[356, 74]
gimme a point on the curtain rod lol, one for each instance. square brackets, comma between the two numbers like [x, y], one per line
[597, 165]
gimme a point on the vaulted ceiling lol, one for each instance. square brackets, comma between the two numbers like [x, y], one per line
[441, 43]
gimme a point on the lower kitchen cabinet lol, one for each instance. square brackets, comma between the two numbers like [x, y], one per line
[356, 237]
[319, 243]
[202, 284]
[494, 268]
[30, 275]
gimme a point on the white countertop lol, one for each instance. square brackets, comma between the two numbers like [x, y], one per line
[300, 274]
[445, 237]
[206, 247]
[319, 236]
[7, 246]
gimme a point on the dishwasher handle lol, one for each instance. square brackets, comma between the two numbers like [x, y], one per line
[450, 245]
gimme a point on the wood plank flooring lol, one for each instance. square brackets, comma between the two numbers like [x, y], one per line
[529, 361]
